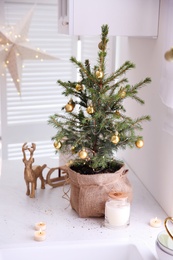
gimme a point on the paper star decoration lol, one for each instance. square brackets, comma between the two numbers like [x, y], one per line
[14, 48]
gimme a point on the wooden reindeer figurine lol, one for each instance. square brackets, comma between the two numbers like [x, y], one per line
[31, 173]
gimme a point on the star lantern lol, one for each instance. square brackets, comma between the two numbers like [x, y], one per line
[15, 47]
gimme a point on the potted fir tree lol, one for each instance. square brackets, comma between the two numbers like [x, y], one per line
[93, 127]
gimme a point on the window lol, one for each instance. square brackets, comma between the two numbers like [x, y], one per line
[24, 119]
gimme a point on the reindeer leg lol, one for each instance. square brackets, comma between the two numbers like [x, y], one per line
[41, 176]
[42, 182]
[32, 195]
[35, 183]
[28, 190]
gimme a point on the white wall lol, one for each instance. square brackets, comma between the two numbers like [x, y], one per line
[154, 162]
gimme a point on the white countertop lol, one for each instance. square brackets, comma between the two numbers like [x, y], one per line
[19, 213]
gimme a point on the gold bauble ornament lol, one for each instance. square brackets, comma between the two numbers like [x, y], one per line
[100, 45]
[83, 154]
[99, 74]
[122, 93]
[70, 106]
[169, 55]
[90, 109]
[73, 149]
[79, 87]
[57, 144]
[139, 143]
[115, 139]
[117, 113]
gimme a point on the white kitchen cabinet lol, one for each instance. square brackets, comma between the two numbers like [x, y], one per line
[138, 18]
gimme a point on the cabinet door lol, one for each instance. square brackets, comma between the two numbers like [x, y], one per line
[125, 17]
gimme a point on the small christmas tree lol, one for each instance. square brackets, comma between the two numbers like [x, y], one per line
[94, 124]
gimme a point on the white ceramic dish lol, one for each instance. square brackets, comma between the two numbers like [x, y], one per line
[165, 242]
[162, 255]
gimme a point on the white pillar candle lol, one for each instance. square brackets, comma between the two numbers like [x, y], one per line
[116, 213]
[40, 235]
[40, 225]
[117, 210]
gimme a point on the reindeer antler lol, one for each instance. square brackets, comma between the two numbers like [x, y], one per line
[24, 147]
[32, 148]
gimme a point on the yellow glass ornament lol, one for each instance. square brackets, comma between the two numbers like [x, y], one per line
[100, 45]
[115, 139]
[90, 109]
[122, 93]
[117, 113]
[139, 143]
[169, 55]
[99, 74]
[57, 145]
[83, 154]
[70, 106]
[79, 87]
[73, 149]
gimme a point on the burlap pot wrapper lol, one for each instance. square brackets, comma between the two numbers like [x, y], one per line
[89, 193]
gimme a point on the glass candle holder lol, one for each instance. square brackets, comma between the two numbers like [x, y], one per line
[117, 210]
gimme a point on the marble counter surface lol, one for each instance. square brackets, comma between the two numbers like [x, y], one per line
[19, 213]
